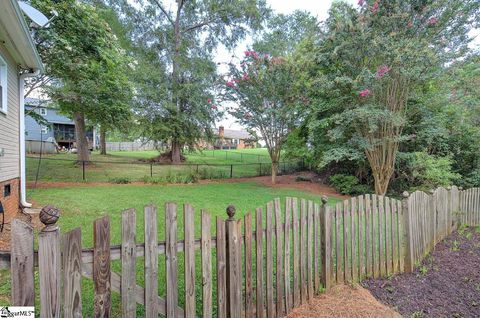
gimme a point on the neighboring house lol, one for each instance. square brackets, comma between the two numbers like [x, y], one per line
[18, 60]
[231, 139]
[234, 139]
[60, 129]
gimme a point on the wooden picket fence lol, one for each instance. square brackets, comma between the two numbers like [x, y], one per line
[432, 217]
[266, 264]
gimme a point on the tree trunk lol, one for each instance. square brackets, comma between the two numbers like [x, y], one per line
[80, 137]
[103, 142]
[382, 181]
[175, 147]
[176, 151]
[274, 172]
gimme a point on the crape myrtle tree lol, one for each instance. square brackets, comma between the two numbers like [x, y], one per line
[86, 67]
[267, 99]
[370, 61]
[185, 36]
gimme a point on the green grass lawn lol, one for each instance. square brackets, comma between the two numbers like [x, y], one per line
[126, 166]
[80, 206]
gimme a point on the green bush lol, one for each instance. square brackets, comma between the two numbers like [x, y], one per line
[119, 180]
[346, 184]
[422, 171]
[189, 177]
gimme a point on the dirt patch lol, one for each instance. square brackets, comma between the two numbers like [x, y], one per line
[344, 301]
[285, 181]
[5, 235]
[447, 284]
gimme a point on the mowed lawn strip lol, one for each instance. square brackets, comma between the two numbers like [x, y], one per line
[127, 165]
[80, 206]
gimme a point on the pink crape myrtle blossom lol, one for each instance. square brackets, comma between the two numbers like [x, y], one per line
[209, 100]
[230, 84]
[361, 2]
[432, 21]
[245, 77]
[214, 107]
[364, 93]
[382, 71]
[251, 54]
[375, 7]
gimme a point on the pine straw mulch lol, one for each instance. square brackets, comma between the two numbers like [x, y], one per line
[344, 301]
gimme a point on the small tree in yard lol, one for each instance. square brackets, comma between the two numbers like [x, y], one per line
[266, 99]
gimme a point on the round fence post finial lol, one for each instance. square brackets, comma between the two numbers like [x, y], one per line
[231, 211]
[49, 216]
[324, 199]
[405, 194]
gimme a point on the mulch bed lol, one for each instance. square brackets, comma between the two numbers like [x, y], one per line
[447, 284]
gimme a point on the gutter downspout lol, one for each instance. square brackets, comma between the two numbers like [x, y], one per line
[23, 180]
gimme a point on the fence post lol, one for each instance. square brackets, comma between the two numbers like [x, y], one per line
[233, 264]
[22, 273]
[49, 266]
[409, 259]
[325, 243]
[231, 171]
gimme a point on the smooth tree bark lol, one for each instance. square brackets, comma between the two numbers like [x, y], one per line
[83, 153]
[103, 141]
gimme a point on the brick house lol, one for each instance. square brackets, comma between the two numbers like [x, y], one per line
[234, 139]
[18, 60]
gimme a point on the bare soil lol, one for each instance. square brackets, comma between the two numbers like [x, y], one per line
[344, 301]
[447, 284]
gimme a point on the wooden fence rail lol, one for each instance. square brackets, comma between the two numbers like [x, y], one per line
[264, 265]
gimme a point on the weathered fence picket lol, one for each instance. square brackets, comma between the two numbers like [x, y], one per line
[261, 271]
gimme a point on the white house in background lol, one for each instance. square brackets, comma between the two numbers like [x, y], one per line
[18, 60]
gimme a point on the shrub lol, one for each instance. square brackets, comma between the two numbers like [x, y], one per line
[422, 171]
[346, 184]
[119, 180]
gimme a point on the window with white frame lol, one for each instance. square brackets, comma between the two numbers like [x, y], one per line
[43, 111]
[44, 130]
[3, 84]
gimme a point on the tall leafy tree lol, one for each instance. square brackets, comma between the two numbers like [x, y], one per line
[182, 39]
[370, 62]
[86, 66]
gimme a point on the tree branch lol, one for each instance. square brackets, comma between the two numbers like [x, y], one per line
[164, 12]
[205, 22]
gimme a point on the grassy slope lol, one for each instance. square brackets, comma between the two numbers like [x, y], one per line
[81, 205]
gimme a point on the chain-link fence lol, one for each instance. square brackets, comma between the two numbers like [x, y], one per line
[67, 170]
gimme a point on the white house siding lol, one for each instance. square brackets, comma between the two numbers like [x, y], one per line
[9, 124]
